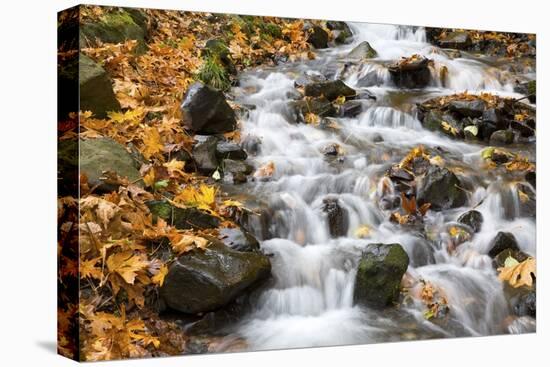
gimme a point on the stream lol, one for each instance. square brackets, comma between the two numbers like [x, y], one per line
[309, 301]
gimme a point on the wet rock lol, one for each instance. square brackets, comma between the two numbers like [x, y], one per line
[205, 280]
[500, 259]
[495, 117]
[459, 40]
[337, 217]
[379, 274]
[472, 219]
[308, 77]
[390, 202]
[502, 137]
[236, 171]
[332, 150]
[523, 128]
[472, 108]
[331, 89]
[411, 74]
[502, 241]
[319, 106]
[529, 89]
[205, 153]
[205, 111]
[527, 305]
[441, 188]
[362, 51]
[182, 218]
[252, 144]
[116, 27]
[229, 150]
[238, 239]
[531, 178]
[350, 109]
[103, 155]
[527, 201]
[341, 31]
[397, 173]
[317, 37]
[95, 88]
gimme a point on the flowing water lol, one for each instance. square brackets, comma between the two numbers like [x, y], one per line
[310, 300]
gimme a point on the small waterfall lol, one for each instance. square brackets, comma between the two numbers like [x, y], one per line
[310, 301]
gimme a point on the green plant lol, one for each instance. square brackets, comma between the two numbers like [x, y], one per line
[214, 74]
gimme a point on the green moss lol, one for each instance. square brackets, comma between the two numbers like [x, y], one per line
[532, 87]
[214, 74]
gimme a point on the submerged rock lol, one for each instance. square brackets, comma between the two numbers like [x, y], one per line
[337, 217]
[205, 111]
[236, 171]
[527, 305]
[103, 155]
[441, 188]
[472, 219]
[319, 106]
[331, 89]
[411, 73]
[502, 241]
[379, 274]
[362, 51]
[205, 280]
[182, 218]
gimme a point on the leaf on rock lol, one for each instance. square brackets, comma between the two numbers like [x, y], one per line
[521, 274]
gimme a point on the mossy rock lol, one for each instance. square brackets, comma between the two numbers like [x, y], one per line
[117, 27]
[182, 218]
[362, 51]
[95, 87]
[98, 156]
[379, 274]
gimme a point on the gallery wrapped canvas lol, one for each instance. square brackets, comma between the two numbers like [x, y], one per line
[232, 183]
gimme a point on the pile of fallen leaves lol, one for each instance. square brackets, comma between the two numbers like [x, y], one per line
[113, 254]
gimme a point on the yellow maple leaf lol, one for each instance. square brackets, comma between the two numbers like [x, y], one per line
[152, 142]
[149, 178]
[175, 166]
[519, 274]
[186, 242]
[127, 265]
[159, 277]
[203, 198]
[89, 270]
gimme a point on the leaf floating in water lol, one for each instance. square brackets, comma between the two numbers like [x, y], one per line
[266, 170]
[518, 274]
[363, 232]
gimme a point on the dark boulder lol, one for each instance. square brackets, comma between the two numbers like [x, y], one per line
[236, 171]
[182, 218]
[411, 73]
[472, 219]
[437, 120]
[317, 37]
[95, 88]
[239, 239]
[495, 117]
[472, 108]
[523, 128]
[362, 51]
[527, 304]
[229, 150]
[319, 106]
[441, 188]
[502, 241]
[330, 89]
[531, 178]
[205, 153]
[502, 137]
[350, 109]
[459, 40]
[337, 217]
[529, 89]
[379, 274]
[98, 157]
[206, 280]
[396, 173]
[205, 111]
